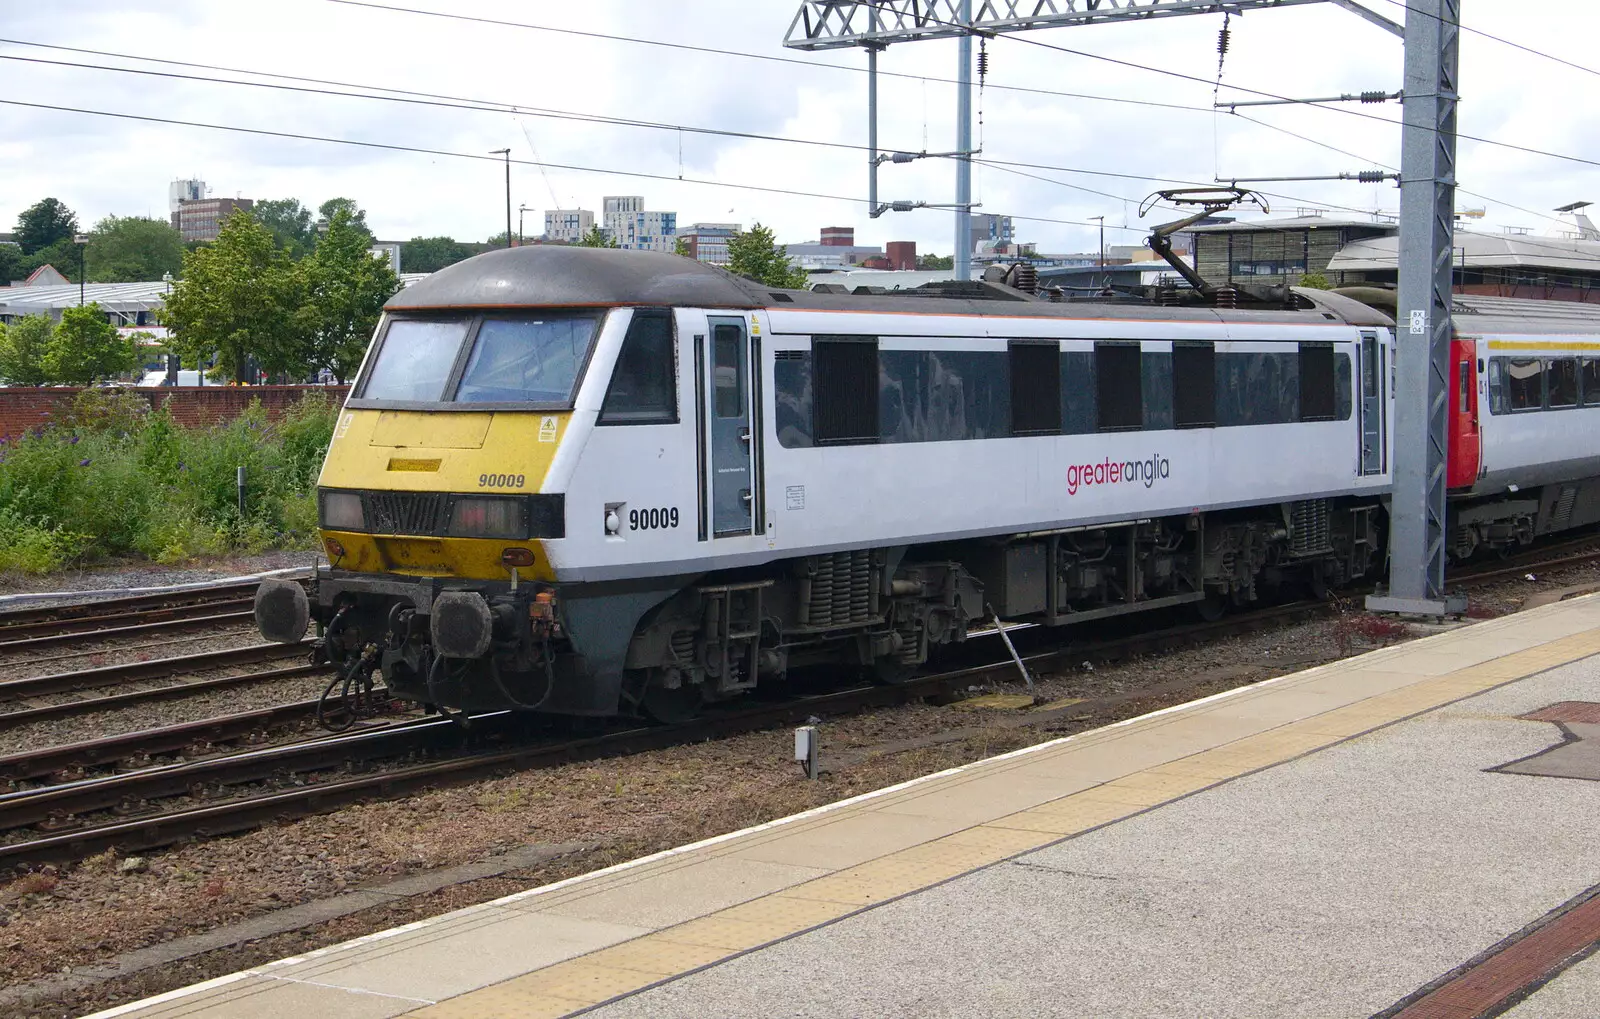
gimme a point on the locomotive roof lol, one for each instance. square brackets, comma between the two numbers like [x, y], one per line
[548, 275]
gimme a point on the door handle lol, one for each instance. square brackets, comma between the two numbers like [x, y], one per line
[745, 496]
[744, 435]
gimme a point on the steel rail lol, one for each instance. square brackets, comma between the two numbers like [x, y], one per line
[29, 807]
[15, 619]
[155, 668]
[110, 750]
[81, 631]
[110, 702]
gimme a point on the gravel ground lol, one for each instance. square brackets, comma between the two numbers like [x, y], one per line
[623, 808]
[143, 573]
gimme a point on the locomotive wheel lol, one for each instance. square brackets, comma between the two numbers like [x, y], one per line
[890, 672]
[672, 707]
[1211, 608]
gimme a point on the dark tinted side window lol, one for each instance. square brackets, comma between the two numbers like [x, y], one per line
[1258, 389]
[1194, 385]
[1524, 383]
[1119, 389]
[845, 390]
[1156, 381]
[1561, 382]
[1497, 386]
[1035, 370]
[1591, 382]
[1078, 415]
[644, 384]
[791, 379]
[1316, 382]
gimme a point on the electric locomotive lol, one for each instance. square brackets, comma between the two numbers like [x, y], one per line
[590, 482]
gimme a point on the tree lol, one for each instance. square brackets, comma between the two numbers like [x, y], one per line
[936, 261]
[85, 347]
[430, 254]
[596, 238]
[289, 223]
[22, 348]
[11, 259]
[343, 288]
[1315, 281]
[235, 300]
[756, 254]
[357, 215]
[133, 249]
[44, 223]
[63, 254]
[681, 247]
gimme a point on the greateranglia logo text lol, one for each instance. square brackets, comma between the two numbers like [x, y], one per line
[1118, 472]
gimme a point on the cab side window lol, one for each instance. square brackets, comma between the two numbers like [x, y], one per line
[644, 384]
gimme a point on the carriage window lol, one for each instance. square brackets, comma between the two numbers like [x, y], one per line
[414, 361]
[527, 360]
[1561, 382]
[1369, 367]
[1035, 370]
[1465, 388]
[1077, 392]
[1194, 385]
[643, 385]
[845, 390]
[728, 397]
[1524, 383]
[1497, 385]
[1155, 369]
[1316, 382]
[1591, 382]
[1119, 390]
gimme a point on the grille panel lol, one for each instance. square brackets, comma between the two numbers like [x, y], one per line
[405, 512]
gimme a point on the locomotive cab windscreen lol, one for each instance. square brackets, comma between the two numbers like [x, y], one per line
[533, 361]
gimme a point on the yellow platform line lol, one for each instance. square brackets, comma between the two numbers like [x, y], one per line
[620, 970]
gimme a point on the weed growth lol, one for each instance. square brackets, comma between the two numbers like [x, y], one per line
[115, 479]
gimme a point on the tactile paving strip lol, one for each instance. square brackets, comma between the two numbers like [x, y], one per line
[1581, 712]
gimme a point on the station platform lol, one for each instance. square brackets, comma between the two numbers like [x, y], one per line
[1406, 833]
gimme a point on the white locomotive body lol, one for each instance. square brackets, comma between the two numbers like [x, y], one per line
[595, 481]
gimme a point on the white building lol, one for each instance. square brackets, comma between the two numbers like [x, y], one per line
[568, 225]
[627, 223]
[709, 241]
[180, 191]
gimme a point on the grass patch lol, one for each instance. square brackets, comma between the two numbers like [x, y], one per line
[115, 478]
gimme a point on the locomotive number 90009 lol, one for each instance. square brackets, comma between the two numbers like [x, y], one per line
[648, 519]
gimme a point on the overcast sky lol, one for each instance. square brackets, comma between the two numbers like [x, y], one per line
[101, 166]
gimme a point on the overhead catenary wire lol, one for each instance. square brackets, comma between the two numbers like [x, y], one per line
[498, 159]
[1499, 39]
[508, 107]
[494, 106]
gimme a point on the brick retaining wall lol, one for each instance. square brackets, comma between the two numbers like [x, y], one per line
[22, 408]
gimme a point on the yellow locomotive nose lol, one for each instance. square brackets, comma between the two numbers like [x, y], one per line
[442, 493]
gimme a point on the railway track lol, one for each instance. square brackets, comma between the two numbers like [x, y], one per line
[75, 804]
[113, 614]
[68, 811]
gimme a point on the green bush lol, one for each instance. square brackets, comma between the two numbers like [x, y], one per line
[114, 479]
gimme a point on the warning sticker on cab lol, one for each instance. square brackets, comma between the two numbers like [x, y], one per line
[547, 429]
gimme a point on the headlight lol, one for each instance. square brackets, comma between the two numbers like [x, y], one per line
[341, 511]
[487, 518]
